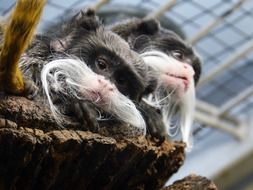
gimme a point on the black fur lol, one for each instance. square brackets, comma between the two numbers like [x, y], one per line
[143, 35]
[83, 36]
[146, 34]
[154, 123]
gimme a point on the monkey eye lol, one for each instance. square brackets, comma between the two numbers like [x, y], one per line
[178, 54]
[101, 64]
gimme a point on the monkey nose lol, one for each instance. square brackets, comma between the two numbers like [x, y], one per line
[186, 66]
[101, 79]
[189, 69]
[105, 84]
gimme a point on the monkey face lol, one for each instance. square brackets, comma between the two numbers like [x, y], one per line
[108, 55]
[116, 70]
[175, 63]
[173, 75]
[103, 51]
[172, 45]
[147, 36]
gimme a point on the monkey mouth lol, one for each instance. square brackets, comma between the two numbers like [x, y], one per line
[184, 79]
[178, 80]
[95, 96]
[178, 76]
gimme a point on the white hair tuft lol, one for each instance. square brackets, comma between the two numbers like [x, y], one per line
[163, 98]
[73, 77]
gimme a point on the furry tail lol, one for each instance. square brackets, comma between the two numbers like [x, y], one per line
[17, 35]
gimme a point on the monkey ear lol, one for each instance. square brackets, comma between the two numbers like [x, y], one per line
[148, 26]
[136, 27]
[87, 20]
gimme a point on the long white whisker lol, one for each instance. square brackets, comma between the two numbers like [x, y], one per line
[74, 78]
[170, 107]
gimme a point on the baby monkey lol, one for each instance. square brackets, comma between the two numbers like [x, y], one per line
[175, 67]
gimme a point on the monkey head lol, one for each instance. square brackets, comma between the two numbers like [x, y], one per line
[104, 52]
[175, 62]
[153, 42]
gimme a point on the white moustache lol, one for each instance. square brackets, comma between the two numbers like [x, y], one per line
[74, 78]
[163, 98]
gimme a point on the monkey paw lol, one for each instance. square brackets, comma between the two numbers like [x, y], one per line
[31, 90]
[86, 114]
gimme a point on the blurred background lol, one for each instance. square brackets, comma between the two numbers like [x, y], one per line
[221, 31]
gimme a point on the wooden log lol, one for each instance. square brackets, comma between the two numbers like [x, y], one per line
[36, 154]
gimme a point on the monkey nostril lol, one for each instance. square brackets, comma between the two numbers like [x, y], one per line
[101, 79]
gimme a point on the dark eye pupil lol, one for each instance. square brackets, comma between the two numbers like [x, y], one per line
[101, 64]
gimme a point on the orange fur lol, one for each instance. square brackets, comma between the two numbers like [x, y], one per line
[17, 36]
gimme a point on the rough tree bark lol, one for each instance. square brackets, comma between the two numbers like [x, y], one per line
[36, 154]
[192, 182]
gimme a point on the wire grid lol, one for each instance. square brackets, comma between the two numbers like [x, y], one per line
[191, 16]
[6, 6]
[219, 44]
